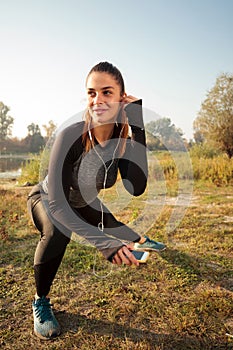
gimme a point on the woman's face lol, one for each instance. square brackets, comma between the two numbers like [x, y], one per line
[104, 95]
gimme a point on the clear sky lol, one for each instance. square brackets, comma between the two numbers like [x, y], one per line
[169, 52]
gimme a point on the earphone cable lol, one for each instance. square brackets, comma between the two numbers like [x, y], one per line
[101, 224]
[106, 169]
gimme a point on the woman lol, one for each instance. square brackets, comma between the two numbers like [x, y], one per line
[85, 158]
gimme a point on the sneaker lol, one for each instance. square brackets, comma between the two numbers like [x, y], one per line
[45, 323]
[149, 245]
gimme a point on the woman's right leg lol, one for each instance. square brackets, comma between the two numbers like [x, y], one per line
[48, 256]
[49, 251]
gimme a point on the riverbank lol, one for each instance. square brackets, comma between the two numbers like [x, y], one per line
[8, 183]
[11, 165]
[12, 184]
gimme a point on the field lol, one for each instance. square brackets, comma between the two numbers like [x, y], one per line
[181, 299]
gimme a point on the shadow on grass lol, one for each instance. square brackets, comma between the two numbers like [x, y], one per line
[202, 268]
[90, 327]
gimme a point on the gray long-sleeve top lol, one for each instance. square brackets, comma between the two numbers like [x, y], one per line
[72, 181]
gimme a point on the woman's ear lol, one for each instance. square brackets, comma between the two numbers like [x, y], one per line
[123, 96]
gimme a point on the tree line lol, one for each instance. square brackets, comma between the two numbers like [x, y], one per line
[34, 142]
[213, 126]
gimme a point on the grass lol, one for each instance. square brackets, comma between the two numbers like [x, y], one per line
[180, 300]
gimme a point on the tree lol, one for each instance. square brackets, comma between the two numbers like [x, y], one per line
[168, 136]
[33, 129]
[215, 118]
[49, 129]
[6, 122]
[198, 137]
[34, 140]
[152, 142]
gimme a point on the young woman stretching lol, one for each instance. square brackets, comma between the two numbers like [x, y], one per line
[85, 158]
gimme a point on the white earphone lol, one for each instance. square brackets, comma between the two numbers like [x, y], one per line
[106, 169]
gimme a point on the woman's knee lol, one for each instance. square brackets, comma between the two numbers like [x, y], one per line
[46, 227]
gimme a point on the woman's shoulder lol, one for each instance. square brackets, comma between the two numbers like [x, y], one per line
[70, 133]
[75, 128]
[69, 136]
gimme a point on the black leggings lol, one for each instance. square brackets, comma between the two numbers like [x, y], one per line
[53, 242]
[50, 249]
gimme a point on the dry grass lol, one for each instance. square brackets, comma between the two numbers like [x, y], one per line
[181, 299]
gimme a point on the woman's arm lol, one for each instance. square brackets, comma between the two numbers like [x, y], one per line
[67, 148]
[133, 165]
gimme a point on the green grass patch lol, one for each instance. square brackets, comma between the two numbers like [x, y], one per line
[181, 299]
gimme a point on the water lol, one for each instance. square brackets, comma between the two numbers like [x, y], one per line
[10, 166]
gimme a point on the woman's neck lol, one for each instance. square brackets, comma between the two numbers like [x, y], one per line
[103, 133]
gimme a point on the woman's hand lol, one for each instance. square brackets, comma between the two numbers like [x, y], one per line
[129, 99]
[133, 109]
[124, 256]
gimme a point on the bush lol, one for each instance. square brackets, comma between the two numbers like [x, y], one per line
[203, 150]
[163, 166]
[170, 166]
[30, 170]
[218, 170]
[205, 166]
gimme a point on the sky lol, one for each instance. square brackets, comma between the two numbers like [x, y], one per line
[170, 53]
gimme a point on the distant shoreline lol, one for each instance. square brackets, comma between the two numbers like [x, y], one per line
[15, 155]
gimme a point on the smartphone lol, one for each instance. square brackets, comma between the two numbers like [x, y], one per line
[140, 256]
